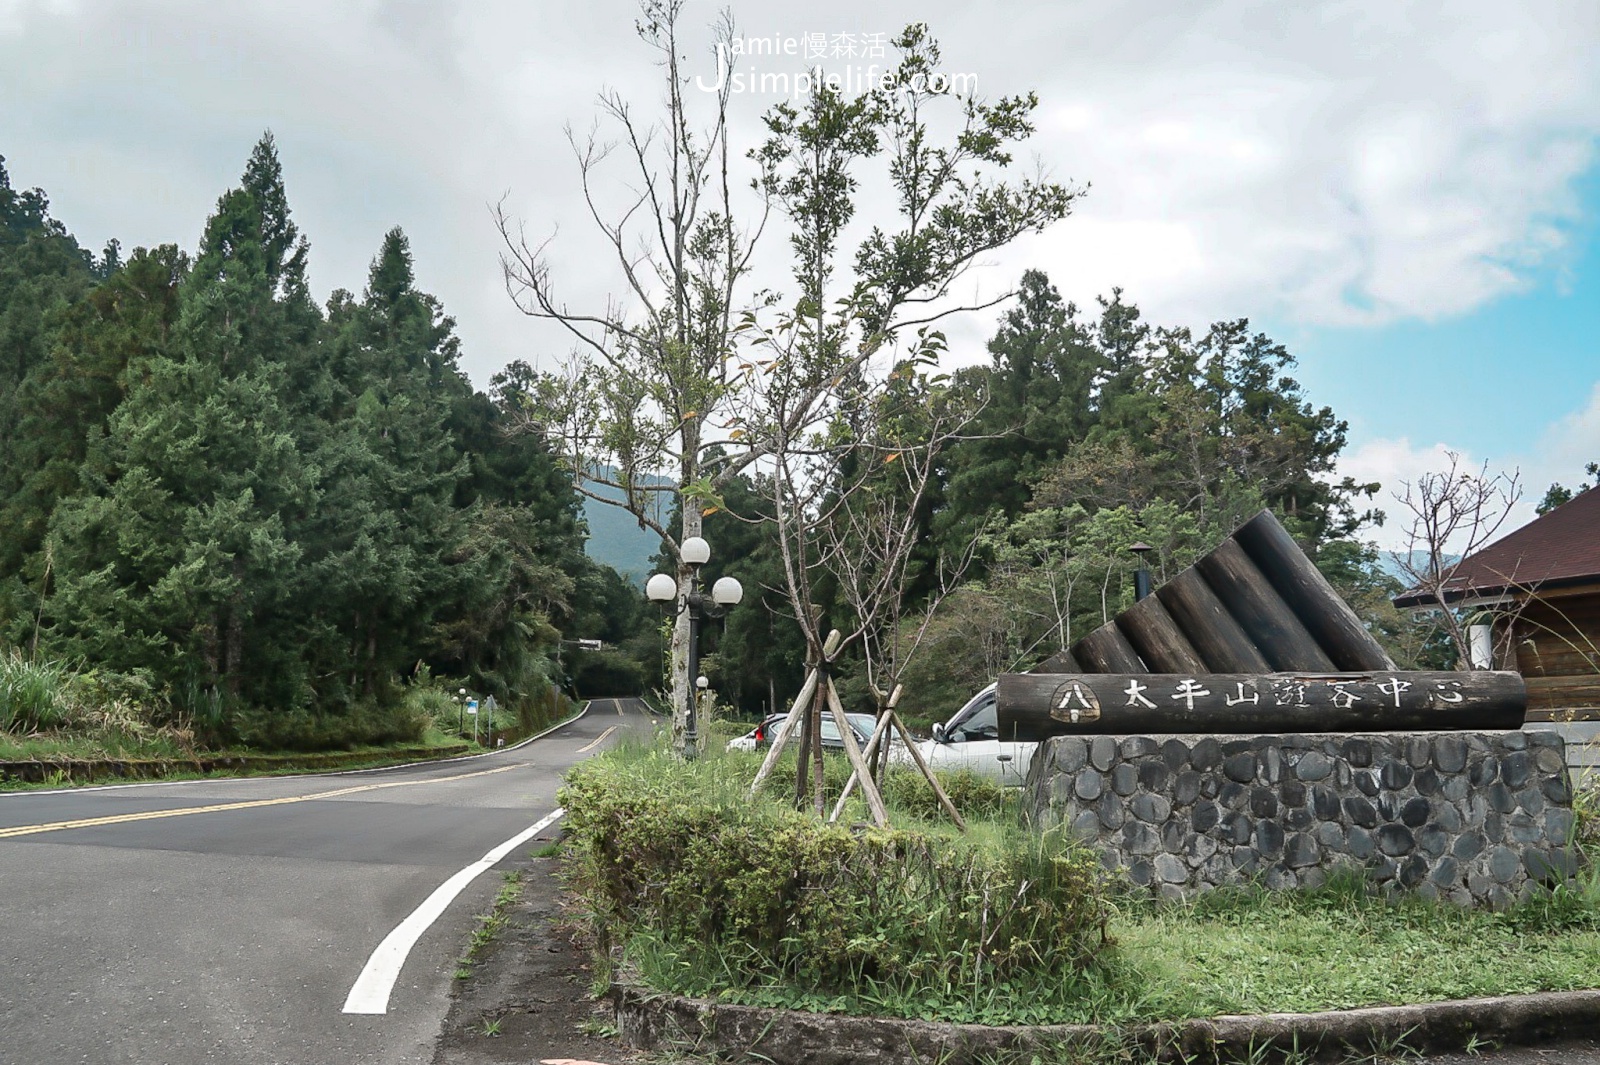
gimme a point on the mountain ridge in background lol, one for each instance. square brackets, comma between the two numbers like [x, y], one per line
[615, 537]
[1394, 562]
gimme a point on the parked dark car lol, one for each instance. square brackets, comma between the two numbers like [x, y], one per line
[860, 726]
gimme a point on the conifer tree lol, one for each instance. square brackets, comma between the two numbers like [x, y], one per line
[176, 556]
[386, 527]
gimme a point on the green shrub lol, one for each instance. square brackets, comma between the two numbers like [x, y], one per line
[973, 795]
[539, 710]
[679, 855]
[363, 725]
[434, 703]
[720, 730]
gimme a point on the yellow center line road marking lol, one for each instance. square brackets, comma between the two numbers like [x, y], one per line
[155, 815]
[599, 740]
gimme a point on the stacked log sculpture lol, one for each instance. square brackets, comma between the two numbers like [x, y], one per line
[1256, 604]
[1250, 639]
[1242, 723]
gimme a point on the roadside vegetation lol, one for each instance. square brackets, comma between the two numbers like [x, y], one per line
[490, 924]
[84, 724]
[691, 887]
[234, 518]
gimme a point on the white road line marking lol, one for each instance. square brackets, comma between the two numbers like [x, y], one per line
[598, 740]
[372, 988]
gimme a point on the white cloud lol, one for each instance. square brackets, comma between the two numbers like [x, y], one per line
[1568, 445]
[1334, 163]
[1564, 448]
[1320, 163]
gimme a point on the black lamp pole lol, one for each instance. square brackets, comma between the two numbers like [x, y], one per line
[726, 593]
[1141, 576]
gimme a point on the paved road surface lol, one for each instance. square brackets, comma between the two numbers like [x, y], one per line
[230, 920]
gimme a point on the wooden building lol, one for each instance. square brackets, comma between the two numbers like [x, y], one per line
[1541, 587]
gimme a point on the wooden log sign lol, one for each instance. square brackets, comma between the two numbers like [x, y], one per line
[1036, 706]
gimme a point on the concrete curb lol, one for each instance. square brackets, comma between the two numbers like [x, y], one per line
[648, 1021]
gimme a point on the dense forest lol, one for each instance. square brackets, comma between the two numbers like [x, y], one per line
[271, 520]
[265, 516]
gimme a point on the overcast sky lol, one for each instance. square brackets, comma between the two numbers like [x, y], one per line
[1404, 193]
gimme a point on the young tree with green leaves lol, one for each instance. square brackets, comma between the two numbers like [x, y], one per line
[841, 379]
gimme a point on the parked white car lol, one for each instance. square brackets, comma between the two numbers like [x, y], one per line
[971, 740]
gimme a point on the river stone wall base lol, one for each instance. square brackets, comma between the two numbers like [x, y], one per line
[1475, 817]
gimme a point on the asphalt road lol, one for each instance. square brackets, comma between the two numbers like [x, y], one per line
[229, 920]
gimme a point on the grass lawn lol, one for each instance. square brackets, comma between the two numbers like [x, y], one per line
[1339, 947]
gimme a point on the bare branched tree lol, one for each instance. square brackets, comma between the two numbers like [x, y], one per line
[1451, 515]
[638, 402]
[869, 536]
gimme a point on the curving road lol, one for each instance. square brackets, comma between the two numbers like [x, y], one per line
[239, 920]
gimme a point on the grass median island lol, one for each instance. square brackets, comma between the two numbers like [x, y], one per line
[692, 887]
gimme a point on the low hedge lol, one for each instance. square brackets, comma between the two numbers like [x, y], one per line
[671, 852]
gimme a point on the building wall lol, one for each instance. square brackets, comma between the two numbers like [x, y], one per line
[1556, 643]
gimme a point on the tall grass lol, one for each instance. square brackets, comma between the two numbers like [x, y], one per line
[436, 701]
[35, 695]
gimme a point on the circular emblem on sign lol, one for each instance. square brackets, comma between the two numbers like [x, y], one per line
[1074, 702]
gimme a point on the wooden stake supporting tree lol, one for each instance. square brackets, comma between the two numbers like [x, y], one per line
[817, 691]
[879, 742]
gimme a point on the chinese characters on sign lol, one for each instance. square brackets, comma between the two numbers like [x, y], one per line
[1036, 705]
[1077, 700]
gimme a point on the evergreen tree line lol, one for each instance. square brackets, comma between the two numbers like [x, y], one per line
[271, 513]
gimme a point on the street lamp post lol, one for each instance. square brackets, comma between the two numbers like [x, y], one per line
[726, 593]
[1141, 576]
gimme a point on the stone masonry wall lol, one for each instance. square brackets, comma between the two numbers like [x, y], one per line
[1469, 816]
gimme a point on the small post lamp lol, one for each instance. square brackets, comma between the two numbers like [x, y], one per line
[1141, 576]
[726, 593]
